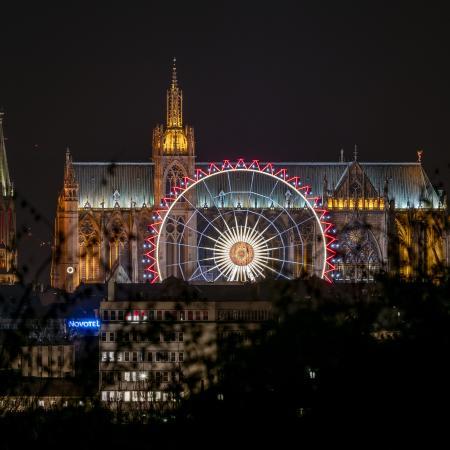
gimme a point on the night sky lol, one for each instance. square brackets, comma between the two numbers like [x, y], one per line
[287, 81]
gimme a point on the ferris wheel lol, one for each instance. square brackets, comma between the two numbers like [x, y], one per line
[239, 222]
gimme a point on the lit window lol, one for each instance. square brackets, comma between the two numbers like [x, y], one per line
[111, 356]
[119, 356]
[182, 316]
[104, 356]
[126, 396]
[126, 376]
[104, 396]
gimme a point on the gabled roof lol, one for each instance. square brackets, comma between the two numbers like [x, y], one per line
[109, 182]
[408, 182]
[98, 181]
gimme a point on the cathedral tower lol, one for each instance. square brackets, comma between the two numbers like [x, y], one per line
[65, 274]
[173, 145]
[174, 159]
[8, 252]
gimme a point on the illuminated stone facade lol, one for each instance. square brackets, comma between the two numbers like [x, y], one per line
[386, 216]
[8, 251]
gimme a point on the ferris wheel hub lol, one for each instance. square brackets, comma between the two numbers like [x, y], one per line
[242, 253]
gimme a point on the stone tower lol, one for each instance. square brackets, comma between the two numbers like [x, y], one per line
[8, 251]
[174, 159]
[65, 273]
[173, 145]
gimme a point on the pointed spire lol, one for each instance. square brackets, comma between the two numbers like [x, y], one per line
[342, 156]
[5, 181]
[174, 74]
[69, 173]
[174, 102]
[355, 153]
[419, 156]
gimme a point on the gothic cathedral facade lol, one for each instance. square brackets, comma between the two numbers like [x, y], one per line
[388, 216]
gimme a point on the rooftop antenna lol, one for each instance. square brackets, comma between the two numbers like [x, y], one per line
[342, 156]
[355, 153]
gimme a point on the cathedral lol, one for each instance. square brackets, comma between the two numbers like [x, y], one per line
[8, 252]
[238, 221]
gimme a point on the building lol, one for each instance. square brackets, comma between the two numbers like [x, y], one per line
[160, 341]
[171, 216]
[48, 346]
[8, 251]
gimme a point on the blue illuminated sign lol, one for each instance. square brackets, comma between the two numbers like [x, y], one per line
[84, 323]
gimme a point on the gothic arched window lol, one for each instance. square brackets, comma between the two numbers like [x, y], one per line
[174, 176]
[89, 251]
[358, 259]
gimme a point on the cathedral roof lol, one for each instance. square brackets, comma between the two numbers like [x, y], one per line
[128, 182]
[110, 183]
[408, 183]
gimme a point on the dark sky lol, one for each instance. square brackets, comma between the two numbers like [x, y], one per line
[286, 81]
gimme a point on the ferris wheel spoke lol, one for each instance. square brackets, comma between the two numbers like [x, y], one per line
[284, 247]
[273, 189]
[250, 192]
[286, 261]
[194, 230]
[214, 203]
[275, 271]
[187, 245]
[189, 262]
[201, 214]
[205, 272]
[291, 228]
[272, 222]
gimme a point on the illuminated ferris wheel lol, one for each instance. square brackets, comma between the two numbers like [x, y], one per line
[239, 222]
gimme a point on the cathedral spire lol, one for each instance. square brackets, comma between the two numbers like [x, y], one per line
[70, 189]
[69, 174]
[5, 182]
[174, 74]
[174, 101]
